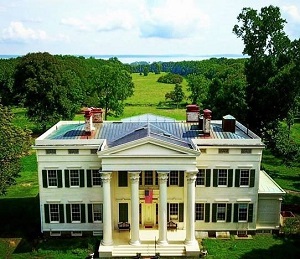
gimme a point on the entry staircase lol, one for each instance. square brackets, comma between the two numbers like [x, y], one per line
[149, 250]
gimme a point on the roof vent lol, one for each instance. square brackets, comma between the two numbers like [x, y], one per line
[228, 124]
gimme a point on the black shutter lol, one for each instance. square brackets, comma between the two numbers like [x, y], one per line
[181, 212]
[45, 180]
[215, 178]
[46, 211]
[181, 178]
[61, 214]
[237, 178]
[230, 177]
[67, 181]
[90, 213]
[207, 212]
[68, 213]
[59, 178]
[207, 176]
[81, 172]
[236, 212]
[214, 212]
[168, 212]
[82, 213]
[228, 213]
[252, 177]
[89, 178]
[250, 212]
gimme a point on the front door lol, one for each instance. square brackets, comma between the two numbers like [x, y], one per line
[148, 215]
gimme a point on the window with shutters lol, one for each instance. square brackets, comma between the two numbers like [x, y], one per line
[174, 178]
[221, 211]
[54, 213]
[75, 213]
[97, 212]
[243, 212]
[52, 178]
[222, 177]
[173, 211]
[96, 178]
[244, 177]
[199, 211]
[201, 177]
[74, 178]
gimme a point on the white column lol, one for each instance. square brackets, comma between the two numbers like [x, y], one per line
[107, 217]
[135, 201]
[162, 208]
[190, 208]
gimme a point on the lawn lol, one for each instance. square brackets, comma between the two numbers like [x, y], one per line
[261, 246]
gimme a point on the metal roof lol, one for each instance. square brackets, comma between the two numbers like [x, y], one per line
[267, 185]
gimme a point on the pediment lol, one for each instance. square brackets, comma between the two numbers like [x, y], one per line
[148, 147]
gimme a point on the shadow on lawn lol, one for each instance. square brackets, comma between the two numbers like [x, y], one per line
[289, 249]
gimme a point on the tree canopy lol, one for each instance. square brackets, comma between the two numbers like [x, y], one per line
[14, 143]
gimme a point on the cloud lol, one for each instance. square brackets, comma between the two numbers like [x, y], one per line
[173, 19]
[18, 33]
[293, 12]
[110, 21]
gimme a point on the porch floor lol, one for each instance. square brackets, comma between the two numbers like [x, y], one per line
[147, 247]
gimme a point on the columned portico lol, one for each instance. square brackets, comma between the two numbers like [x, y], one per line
[162, 214]
[134, 179]
[107, 217]
[190, 219]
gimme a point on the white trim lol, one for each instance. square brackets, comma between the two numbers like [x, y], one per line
[222, 166]
[245, 166]
[52, 201]
[243, 200]
[222, 200]
[75, 201]
[74, 167]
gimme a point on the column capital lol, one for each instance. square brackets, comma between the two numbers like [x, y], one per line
[163, 176]
[105, 176]
[191, 176]
[134, 176]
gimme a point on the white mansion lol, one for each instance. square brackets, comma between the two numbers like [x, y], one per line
[157, 176]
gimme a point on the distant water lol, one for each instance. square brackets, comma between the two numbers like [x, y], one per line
[150, 58]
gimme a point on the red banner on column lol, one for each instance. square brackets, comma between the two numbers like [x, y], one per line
[148, 196]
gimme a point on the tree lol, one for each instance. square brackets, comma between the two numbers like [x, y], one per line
[112, 85]
[14, 143]
[177, 95]
[49, 90]
[146, 70]
[270, 71]
[198, 85]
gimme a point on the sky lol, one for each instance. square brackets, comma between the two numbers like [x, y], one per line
[130, 27]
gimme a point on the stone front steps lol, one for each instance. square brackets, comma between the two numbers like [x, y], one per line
[148, 250]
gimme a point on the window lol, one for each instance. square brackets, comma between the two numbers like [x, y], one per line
[221, 212]
[199, 211]
[200, 177]
[54, 213]
[97, 212]
[148, 177]
[75, 213]
[94, 151]
[76, 233]
[123, 178]
[96, 176]
[173, 179]
[244, 177]
[223, 151]
[73, 151]
[173, 211]
[50, 151]
[203, 150]
[74, 178]
[222, 177]
[243, 212]
[246, 150]
[52, 178]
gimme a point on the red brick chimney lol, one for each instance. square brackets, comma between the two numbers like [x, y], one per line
[88, 127]
[97, 115]
[192, 113]
[206, 121]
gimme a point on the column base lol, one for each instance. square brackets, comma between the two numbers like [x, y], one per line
[190, 242]
[162, 242]
[134, 243]
[106, 243]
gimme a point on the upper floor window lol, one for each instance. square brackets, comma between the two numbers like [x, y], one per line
[74, 178]
[246, 150]
[223, 151]
[52, 178]
[199, 211]
[148, 177]
[122, 178]
[176, 178]
[203, 150]
[96, 176]
[244, 177]
[50, 151]
[200, 177]
[94, 151]
[222, 177]
[73, 151]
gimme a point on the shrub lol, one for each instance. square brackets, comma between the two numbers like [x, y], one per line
[170, 79]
